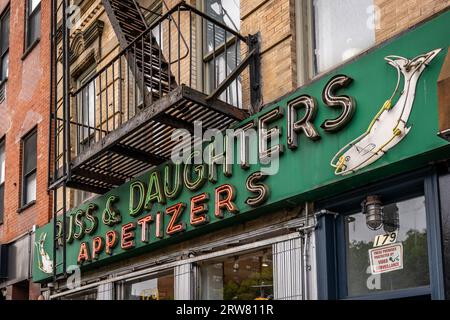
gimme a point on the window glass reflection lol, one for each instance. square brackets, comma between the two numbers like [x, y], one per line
[85, 295]
[243, 277]
[409, 219]
[150, 288]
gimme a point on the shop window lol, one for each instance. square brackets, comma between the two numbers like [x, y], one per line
[240, 277]
[159, 287]
[33, 22]
[382, 241]
[4, 45]
[405, 220]
[218, 61]
[85, 295]
[2, 179]
[29, 165]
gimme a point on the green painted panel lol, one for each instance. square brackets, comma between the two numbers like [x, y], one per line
[305, 173]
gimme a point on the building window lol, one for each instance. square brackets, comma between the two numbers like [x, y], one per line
[85, 104]
[4, 45]
[86, 107]
[240, 277]
[155, 287]
[85, 295]
[2, 179]
[383, 241]
[220, 62]
[33, 23]
[341, 30]
[29, 165]
[408, 219]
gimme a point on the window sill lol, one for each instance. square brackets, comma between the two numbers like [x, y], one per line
[25, 207]
[30, 48]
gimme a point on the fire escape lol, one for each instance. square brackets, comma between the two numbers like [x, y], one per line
[166, 76]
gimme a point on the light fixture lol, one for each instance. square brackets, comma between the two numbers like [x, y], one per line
[391, 218]
[236, 264]
[265, 261]
[373, 210]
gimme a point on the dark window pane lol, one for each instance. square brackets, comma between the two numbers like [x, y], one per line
[2, 199]
[5, 67]
[5, 33]
[2, 162]
[34, 26]
[30, 153]
[2, 178]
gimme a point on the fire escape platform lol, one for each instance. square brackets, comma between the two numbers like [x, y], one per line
[144, 141]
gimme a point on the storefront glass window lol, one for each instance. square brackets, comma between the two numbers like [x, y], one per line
[241, 277]
[85, 295]
[408, 219]
[159, 287]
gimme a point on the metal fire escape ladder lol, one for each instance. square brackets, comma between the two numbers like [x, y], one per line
[151, 68]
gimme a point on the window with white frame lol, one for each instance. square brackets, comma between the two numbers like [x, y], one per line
[336, 31]
[86, 106]
[222, 49]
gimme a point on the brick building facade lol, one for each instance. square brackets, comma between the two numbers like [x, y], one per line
[293, 52]
[25, 108]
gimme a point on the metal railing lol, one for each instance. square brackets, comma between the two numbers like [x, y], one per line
[183, 46]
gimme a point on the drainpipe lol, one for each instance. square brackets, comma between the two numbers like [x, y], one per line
[305, 235]
[305, 267]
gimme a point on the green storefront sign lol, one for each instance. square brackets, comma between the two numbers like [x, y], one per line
[332, 136]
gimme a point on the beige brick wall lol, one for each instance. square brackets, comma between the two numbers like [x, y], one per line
[275, 20]
[399, 15]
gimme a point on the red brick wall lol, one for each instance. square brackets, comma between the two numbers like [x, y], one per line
[26, 106]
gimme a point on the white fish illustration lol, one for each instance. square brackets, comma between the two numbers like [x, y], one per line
[389, 126]
[45, 264]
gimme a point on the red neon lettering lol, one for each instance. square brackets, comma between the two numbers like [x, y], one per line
[198, 209]
[144, 222]
[111, 241]
[224, 197]
[97, 247]
[83, 255]
[128, 236]
[175, 212]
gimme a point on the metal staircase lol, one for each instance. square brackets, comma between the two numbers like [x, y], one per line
[150, 66]
[152, 87]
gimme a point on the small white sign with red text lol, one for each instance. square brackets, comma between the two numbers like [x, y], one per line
[386, 259]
